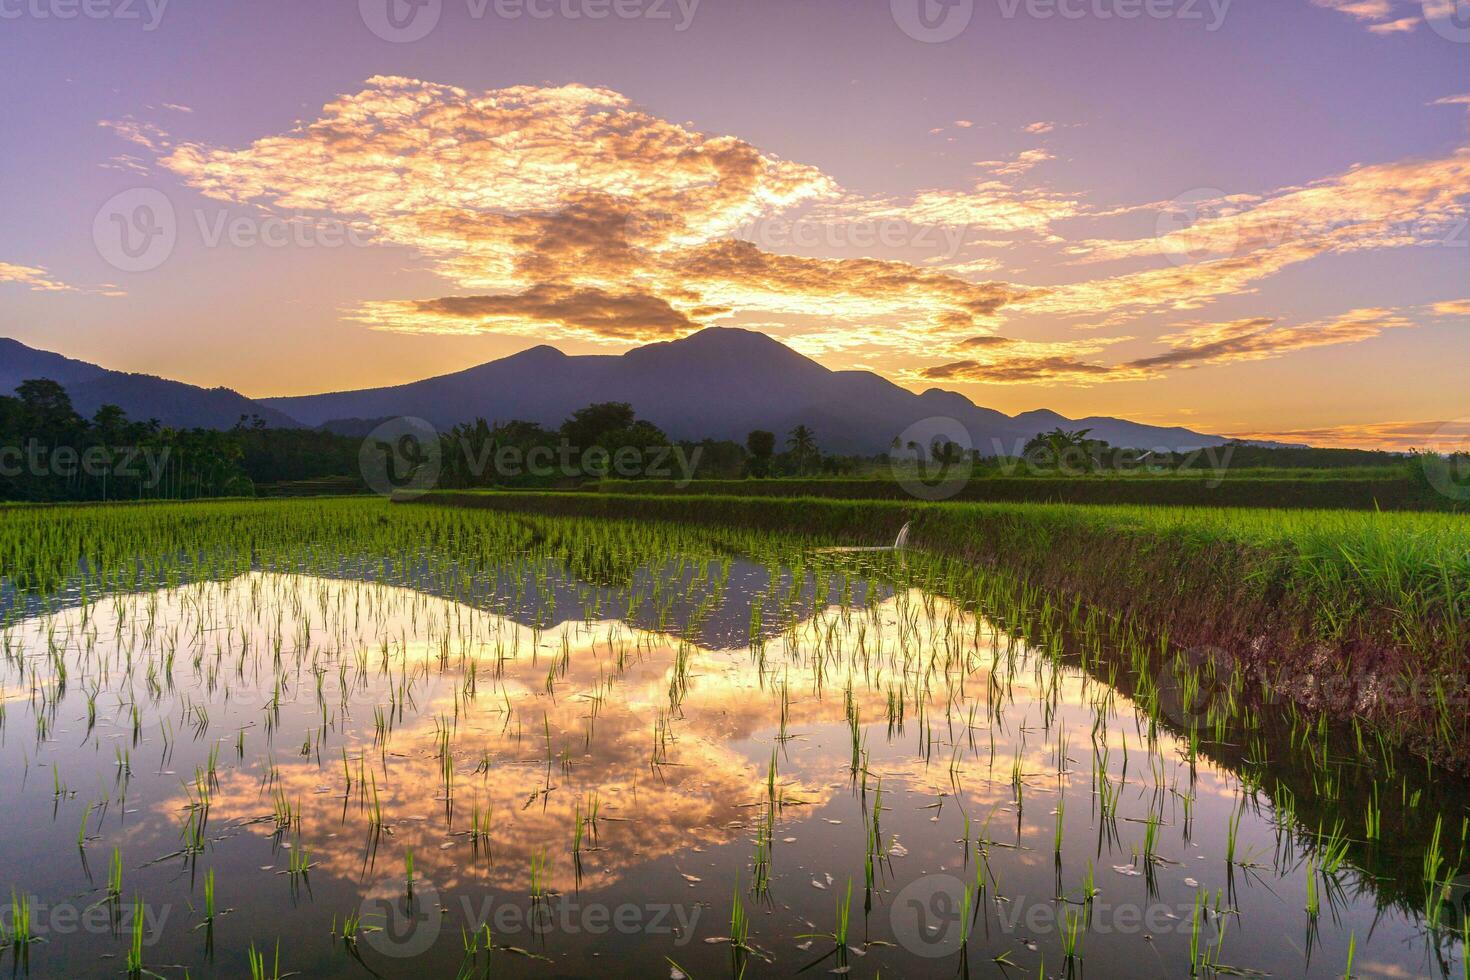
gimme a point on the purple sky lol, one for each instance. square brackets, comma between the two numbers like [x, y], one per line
[1157, 217]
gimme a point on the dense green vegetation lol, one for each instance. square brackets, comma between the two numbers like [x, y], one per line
[1386, 489]
[49, 452]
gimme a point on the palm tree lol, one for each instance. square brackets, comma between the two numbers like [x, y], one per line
[803, 445]
[1061, 447]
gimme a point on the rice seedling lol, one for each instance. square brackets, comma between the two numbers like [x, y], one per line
[258, 968]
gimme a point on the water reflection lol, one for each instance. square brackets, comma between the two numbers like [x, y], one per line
[662, 740]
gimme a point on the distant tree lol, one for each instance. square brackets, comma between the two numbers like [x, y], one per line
[1065, 450]
[591, 426]
[46, 409]
[946, 452]
[719, 459]
[803, 445]
[761, 445]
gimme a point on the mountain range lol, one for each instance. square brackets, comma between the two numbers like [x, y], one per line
[142, 396]
[721, 382]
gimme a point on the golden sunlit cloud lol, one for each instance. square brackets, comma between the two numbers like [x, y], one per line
[635, 316]
[1195, 344]
[1362, 10]
[990, 205]
[569, 212]
[32, 277]
[1401, 26]
[1388, 205]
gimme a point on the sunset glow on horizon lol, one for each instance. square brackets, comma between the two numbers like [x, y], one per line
[1255, 221]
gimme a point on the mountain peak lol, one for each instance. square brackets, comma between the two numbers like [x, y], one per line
[727, 340]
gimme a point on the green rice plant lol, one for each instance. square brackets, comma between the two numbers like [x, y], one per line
[258, 967]
[538, 875]
[1072, 935]
[82, 830]
[1314, 902]
[114, 876]
[739, 921]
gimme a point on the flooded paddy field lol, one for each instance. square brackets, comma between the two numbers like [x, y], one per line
[347, 739]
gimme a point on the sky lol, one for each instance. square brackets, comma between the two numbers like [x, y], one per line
[1249, 217]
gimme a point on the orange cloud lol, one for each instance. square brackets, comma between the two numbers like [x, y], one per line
[629, 315]
[1359, 9]
[570, 212]
[1433, 435]
[1387, 205]
[1401, 26]
[1190, 345]
[32, 277]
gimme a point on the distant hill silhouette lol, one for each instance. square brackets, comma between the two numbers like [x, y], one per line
[721, 382]
[142, 396]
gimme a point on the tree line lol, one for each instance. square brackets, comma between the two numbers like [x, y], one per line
[50, 452]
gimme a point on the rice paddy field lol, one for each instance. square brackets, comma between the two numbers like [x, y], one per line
[347, 738]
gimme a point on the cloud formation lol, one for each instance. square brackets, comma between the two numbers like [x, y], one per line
[1377, 15]
[1191, 345]
[570, 212]
[32, 277]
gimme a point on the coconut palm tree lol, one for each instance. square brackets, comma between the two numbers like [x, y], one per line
[803, 445]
